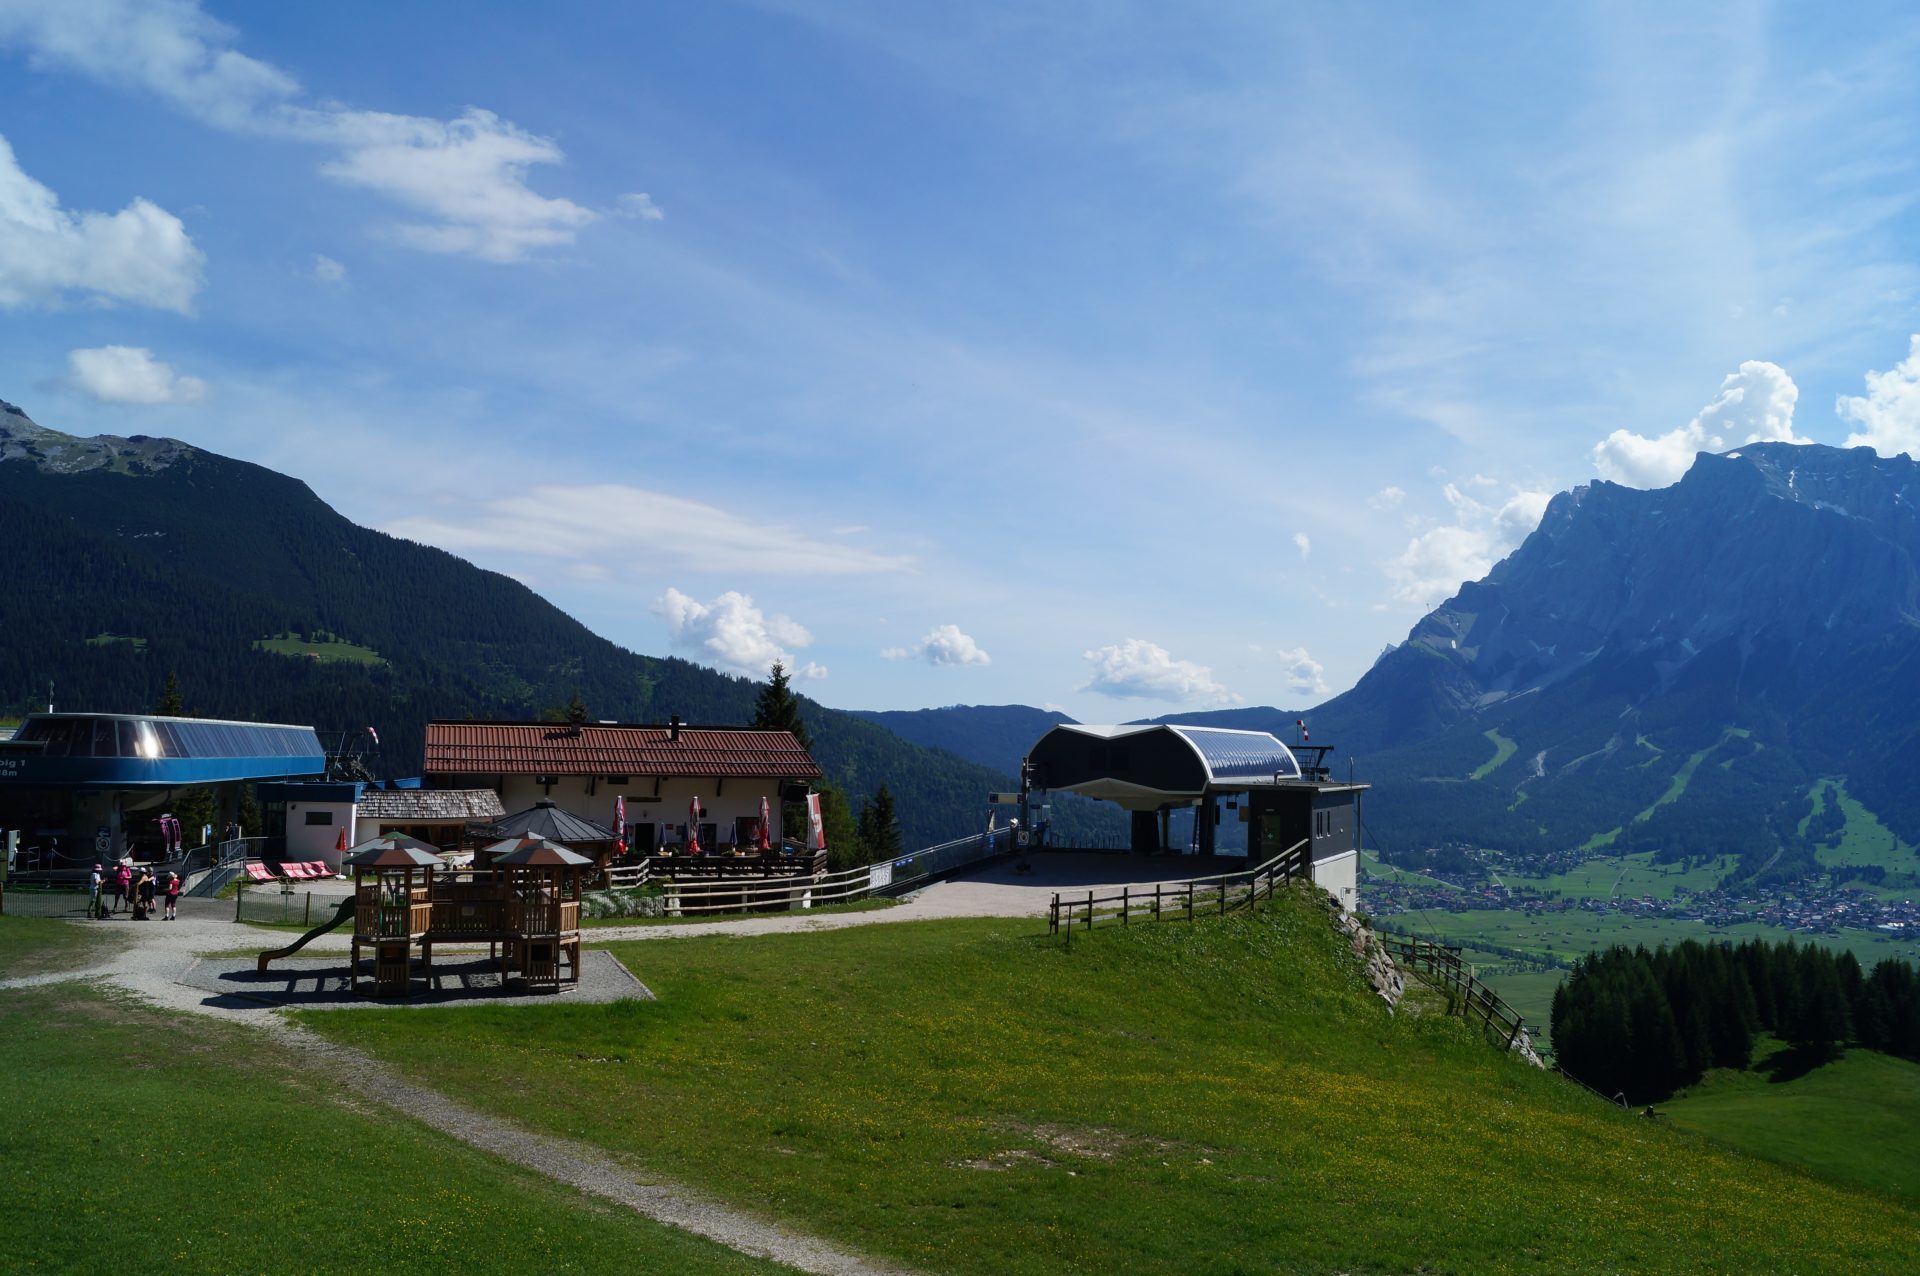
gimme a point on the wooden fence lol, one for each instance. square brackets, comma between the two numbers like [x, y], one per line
[743, 895]
[1439, 966]
[1183, 900]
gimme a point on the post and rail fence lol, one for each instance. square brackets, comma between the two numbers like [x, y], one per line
[1440, 967]
[1182, 900]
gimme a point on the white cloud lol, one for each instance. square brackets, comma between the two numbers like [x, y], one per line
[130, 374]
[1141, 670]
[140, 255]
[1301, 543]
[467, 174]
[1434, 563]
[327, 270]
[1890, 410]
[1304, 674]
[596, 522]
[640, 204]
[1388, 498]
[734, 634]
[1755, 405]
[943, 645]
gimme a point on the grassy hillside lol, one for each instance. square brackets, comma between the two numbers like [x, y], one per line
[1854, 1121]
[141, 1141]
[969, 1096]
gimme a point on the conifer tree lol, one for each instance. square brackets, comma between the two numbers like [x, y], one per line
[172, 703]
[778, 709]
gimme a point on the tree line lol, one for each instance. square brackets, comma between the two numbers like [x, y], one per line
[1649, 1023]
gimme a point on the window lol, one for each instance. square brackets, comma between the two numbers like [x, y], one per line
[319, 817]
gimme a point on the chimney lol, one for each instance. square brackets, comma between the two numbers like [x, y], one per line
[673, 727]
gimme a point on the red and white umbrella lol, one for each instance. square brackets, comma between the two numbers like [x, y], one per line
[620, 824]
[764, 838]
[693, 827]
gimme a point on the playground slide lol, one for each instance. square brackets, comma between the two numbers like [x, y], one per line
[345, 913]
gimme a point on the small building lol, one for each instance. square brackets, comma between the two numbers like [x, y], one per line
[1154, 769]
[660, 772]
[313, 820]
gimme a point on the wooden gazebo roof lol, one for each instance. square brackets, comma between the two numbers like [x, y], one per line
[534, 852]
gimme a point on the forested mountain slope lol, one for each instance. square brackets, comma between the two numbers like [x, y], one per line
[133, 557]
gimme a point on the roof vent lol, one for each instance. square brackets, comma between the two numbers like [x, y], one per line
[673, 727]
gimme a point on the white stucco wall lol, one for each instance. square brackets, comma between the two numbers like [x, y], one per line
[724, 802]
[1339, 876]
[307, 842]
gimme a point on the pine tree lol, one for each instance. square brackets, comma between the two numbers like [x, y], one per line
[884, 842]
[172, 703]
[577, 710]
[778, 709]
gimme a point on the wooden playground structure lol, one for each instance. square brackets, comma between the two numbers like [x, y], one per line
[524, 905]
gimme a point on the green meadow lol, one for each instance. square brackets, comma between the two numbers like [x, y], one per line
[1227, 1096]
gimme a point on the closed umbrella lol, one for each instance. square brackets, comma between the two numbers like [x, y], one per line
[693, 827]
[765, 836]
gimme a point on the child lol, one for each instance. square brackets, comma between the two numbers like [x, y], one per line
[173, 896]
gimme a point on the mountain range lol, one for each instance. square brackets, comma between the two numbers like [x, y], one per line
[1723, 666]
[135, 557]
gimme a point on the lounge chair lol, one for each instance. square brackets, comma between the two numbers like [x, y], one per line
[260, 872]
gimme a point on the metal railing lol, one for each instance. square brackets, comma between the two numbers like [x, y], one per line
[932, 861]
[1184, 900]
[224, 862]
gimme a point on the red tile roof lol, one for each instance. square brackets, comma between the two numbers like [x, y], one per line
[548, 748]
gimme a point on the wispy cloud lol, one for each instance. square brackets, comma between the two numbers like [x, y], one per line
[467, 176]
[664, 532]
[1438, 560]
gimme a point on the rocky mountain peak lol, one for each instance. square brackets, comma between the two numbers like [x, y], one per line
[22, 439]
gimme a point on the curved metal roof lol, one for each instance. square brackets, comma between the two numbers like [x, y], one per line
[117, 750]
[1143, 766]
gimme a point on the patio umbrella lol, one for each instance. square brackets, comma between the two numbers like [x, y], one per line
[340, 843]
[395, 850]
[693, 827]
[764, 837]
[620, 824]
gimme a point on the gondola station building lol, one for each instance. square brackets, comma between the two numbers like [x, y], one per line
[653, 776]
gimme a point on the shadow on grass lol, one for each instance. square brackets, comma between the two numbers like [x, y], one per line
[1795, 1062]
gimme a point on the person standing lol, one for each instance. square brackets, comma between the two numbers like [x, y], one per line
[147, 890]
[122, 885]
[173, 896]
[95, 880]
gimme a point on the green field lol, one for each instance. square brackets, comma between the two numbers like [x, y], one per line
[1855, 1121]
[137, 1140]
[1864, 840]
[43, 945]
[1502, 750]
[1629, 876]
[970, 1096]
[1379, 870]
[1574, 934]
[108, 640]
[323, 648]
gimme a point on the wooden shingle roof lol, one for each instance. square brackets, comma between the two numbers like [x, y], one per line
[430, 804]
[547, 748]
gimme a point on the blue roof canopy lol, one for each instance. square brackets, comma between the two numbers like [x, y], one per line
[110, 750]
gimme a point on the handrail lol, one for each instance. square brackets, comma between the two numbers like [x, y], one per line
[1440, 966]
[1065, 914]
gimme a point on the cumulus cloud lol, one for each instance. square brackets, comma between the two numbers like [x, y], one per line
[595, 522]
[1755, 405]
[1301, 543]
[327, 270]
[640, 204]
[140, 255]
[130, 374]
[1889, 412]
[1304, 675]
[734, 634]
[1140, 670]
[1388, 498]
[467, 175]
[1434, 563]
[943, 645]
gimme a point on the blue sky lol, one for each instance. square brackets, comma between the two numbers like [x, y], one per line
[1116, 357]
